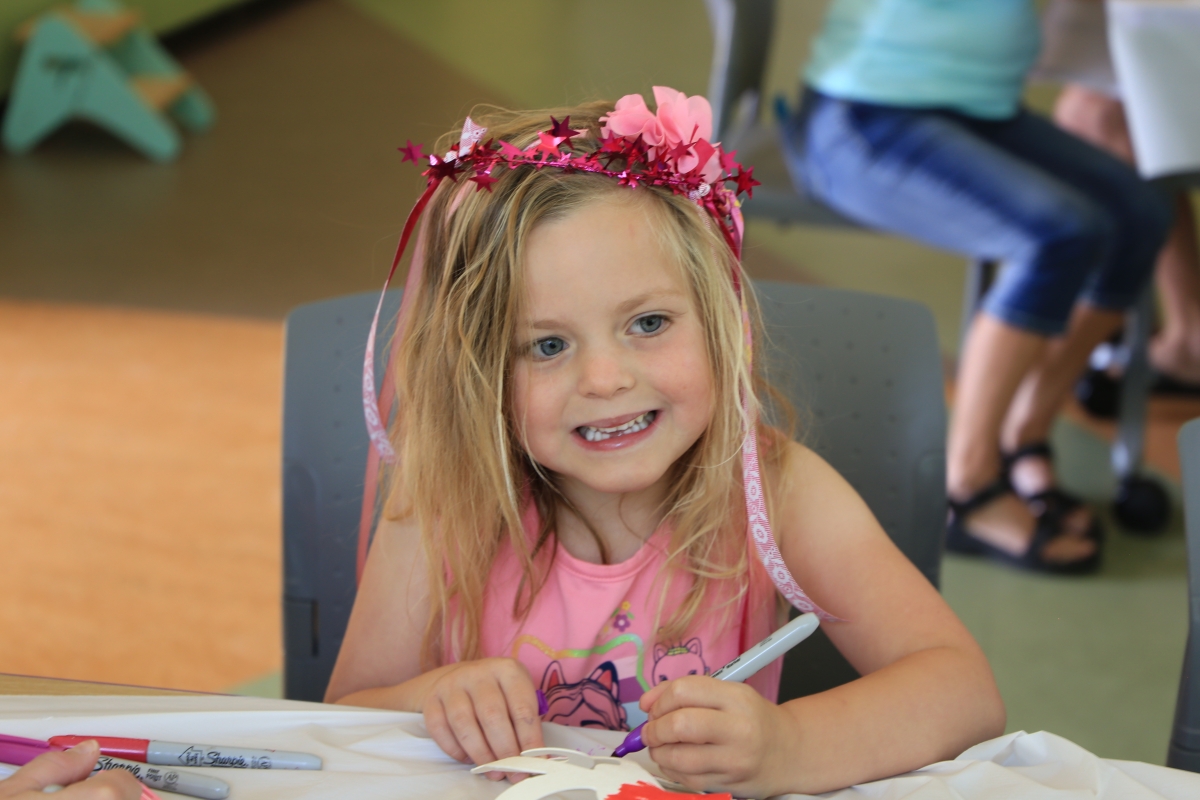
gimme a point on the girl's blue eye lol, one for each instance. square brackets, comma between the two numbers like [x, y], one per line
[651, 323]
[548, 347]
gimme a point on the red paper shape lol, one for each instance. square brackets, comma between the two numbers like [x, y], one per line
[647, 791]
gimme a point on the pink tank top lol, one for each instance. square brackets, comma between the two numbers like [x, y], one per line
[589, 640]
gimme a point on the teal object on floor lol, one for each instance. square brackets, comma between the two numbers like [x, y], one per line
[94, 62]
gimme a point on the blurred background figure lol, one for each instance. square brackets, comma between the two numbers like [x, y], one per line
[1076, 53]
[912, 123]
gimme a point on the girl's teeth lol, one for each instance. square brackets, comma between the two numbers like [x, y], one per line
[639, 423]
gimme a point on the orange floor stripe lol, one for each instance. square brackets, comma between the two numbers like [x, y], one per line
[139, 496]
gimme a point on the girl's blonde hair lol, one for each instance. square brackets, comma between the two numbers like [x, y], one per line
[463, 472]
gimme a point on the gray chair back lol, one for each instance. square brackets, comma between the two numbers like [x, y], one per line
[1184, 750]
[865, 373]
[324, 454]
[863, 369]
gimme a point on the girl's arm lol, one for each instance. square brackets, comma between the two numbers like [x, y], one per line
[477, 711]
[379, 664]
[927, 692]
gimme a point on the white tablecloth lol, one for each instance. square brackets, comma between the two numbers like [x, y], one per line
[384, 755]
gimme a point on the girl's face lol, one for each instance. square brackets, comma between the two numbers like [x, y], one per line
[612, 382]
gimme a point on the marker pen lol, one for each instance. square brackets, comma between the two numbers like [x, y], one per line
[744, 666]
[20, 751]
[194, 755]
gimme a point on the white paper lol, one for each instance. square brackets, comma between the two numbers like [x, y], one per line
[1156, 51]
[385, 755]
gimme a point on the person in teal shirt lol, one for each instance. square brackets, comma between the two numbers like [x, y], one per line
[912, 123]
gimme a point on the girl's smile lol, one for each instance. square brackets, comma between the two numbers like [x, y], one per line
[611, 434]
[612, 382]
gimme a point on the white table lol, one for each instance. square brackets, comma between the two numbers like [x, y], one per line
[373, 755]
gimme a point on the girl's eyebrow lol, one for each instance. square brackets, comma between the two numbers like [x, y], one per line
[644, 297]
[622, 308]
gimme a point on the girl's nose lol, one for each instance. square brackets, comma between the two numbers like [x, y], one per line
[604, 374]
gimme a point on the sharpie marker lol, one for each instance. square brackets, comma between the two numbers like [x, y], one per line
[743, 666]
[194, 755]
[20, 751]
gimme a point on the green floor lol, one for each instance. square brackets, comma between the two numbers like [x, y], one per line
[1094, 659]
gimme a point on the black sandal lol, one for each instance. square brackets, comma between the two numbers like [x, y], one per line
[1048, 528]
[1054, 500]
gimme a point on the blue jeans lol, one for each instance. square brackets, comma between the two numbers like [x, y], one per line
[1068, 221]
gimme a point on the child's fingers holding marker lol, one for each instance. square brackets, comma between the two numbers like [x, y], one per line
[710, 734]
[70, 767]
[114, 784]
[53, 768]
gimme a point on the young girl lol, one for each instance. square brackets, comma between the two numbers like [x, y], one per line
[577, 507]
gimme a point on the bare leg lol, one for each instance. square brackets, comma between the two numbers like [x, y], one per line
[1043, 392]
[996, 358]
[1045, 388]
[1176, 349]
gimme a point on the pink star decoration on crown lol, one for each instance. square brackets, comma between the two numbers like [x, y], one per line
[669, 148]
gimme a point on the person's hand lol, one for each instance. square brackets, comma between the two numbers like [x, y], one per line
[481, 711]
[713, 735]
[70, 767]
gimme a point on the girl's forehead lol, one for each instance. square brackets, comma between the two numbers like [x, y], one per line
[603, 240]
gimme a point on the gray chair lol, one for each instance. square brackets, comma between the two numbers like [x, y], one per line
[741, 45]
[324, 454]
[1184, 750]
[864, 370]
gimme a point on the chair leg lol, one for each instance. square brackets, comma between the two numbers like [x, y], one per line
[1142, 504]
[1135, 389]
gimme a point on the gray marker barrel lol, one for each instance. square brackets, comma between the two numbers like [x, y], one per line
[169, 780]
[769, 649]
[210, 755]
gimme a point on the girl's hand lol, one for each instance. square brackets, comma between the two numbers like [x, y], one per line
[712, 735]
[481, 711]
[70, 767]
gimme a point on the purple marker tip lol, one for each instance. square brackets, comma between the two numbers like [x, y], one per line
[632, 743]
[543, 706]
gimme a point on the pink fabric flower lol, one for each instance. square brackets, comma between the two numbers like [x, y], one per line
[684, 119]
[678, 132]
[630, 118]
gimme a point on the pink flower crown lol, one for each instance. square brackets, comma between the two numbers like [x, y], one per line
[670, 148]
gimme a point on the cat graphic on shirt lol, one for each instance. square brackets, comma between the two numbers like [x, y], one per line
[676, 662]
[594, 702]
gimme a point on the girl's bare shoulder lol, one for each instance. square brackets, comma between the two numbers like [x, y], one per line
[811, 497]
